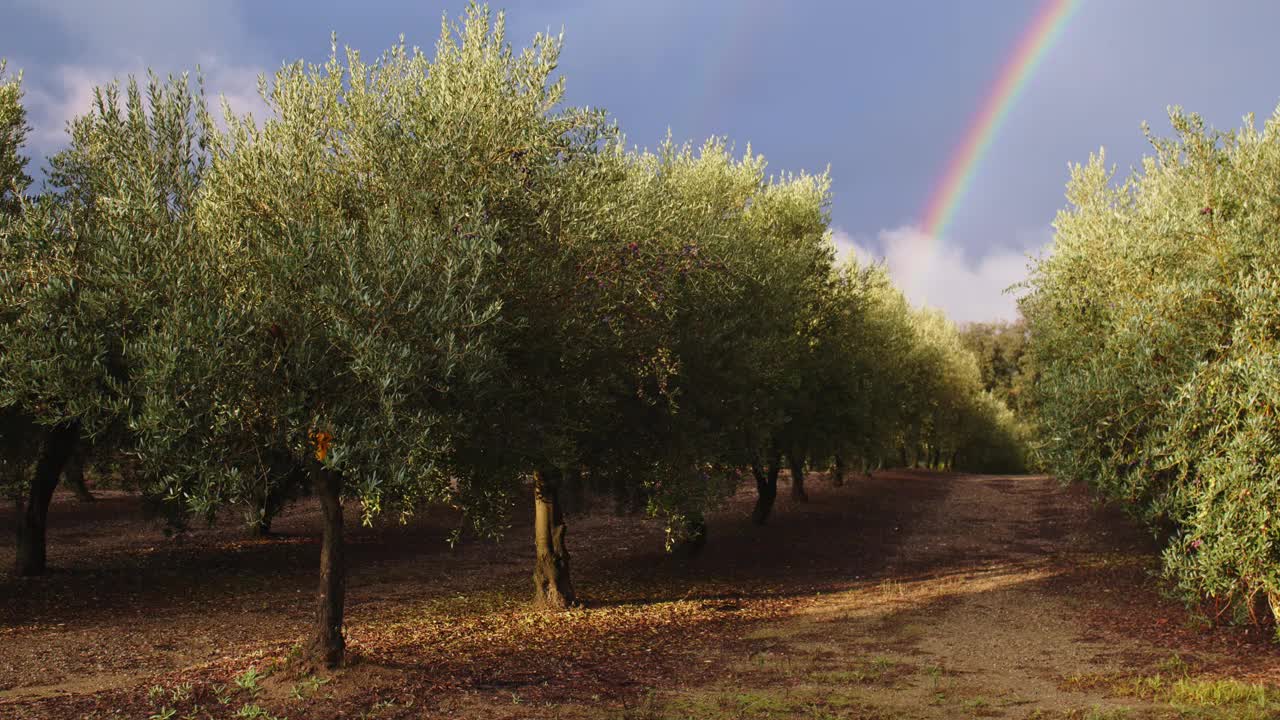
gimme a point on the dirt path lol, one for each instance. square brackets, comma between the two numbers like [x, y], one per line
[1011, 597]
[904, 595]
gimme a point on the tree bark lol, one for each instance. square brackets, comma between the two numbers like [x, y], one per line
[73, 475]
[59, 445]
[837, 472]
[797, 477]
[327, 647]
[766, 489]
[552, 588]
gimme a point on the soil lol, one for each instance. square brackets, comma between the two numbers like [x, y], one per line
[907, 594]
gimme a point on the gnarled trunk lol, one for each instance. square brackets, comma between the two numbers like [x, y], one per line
[59, 445]
[797, 477]
[837, 472]
[552, 587]
[766, 489]
[327, 647]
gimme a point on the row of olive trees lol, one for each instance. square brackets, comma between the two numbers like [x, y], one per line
[422, 279]
[1154, 329]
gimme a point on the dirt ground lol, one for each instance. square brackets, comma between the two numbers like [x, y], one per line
[909, 594]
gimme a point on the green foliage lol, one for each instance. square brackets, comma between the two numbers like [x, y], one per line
[81, 268]
[1154, 329]
[1000, 348]
[15, 426]
[339, 306]
[13, 135]
[751, 260]
[427, 274]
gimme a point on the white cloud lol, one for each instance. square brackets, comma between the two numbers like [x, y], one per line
[114, 40]
[60, 94]
[930, 272]
[64, 94]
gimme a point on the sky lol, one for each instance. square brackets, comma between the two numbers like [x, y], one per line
[880, 91]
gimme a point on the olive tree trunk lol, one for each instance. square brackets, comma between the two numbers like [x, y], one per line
[59, 444]
[797, 477]
[552, 587]
[766, 489]
[327, 647]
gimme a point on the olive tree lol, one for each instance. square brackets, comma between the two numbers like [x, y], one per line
[83, 266]
[372, 304]
[14, 129]
[1152, 328]
[706, 285]
[15, 426]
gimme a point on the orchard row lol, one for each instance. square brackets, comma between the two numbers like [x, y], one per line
[1154, 351]
[424, 279]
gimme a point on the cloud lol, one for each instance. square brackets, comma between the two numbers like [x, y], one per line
[66, 92]
[57, 95]
[159, 31]
[108, 41]
[933, 273]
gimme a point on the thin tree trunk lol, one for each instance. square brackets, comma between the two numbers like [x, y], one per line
[327, 647]
[766, 489]
[797, 477]
[73, 475]
[837, 472]
[551, 584]
[903, 452]
[283, 483]
[259, 523]
[59, 445]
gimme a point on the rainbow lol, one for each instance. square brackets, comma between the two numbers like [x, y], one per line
[1039, 36]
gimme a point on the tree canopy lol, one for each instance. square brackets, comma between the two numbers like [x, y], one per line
[1152, 342]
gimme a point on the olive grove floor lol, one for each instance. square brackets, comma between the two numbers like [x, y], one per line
[909, 594]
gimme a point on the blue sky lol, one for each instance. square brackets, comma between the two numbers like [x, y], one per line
[880, 91]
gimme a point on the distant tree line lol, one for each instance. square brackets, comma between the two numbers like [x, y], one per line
[1001, 348]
